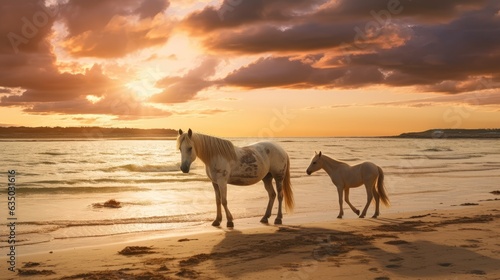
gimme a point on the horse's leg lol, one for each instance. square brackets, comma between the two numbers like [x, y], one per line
[223, 198]
[279, 189]
[346, 198]
[340, 190]
[369, 197]
[376, 196]
[268, 184]
[218, 218]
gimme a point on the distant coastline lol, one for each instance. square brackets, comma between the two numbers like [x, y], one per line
[88, 133]
[453, 134]
[96, 133]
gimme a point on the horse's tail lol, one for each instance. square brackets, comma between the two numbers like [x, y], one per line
[381, 188]
[287, 189]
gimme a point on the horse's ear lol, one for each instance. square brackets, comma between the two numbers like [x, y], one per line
[315, 153]
[190, 133]
[180, 132]
[319, 155]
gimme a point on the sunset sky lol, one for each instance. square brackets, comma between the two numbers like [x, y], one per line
[252, 67]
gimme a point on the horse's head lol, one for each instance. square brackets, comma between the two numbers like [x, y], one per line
[188, 152]
[316, 164]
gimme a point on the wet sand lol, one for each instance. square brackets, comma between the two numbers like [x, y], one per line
[462, 242]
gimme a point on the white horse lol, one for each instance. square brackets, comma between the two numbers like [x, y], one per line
[345, 177]
[228, 164]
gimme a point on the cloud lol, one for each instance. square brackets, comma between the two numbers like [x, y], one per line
[30, 78]
[123, 105]
[428, 11]
[449, 47]
[69, 94]
[233, 14]
[104, 29]
[281, 72]
[61, 87]
[295, 73]
[177, 89]
[359, 43]
[201, 112]
[488, 99]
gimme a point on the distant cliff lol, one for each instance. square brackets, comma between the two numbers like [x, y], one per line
[453, 133]
[90, 132]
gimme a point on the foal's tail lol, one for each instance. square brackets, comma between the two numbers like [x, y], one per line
[381, 188]
[287, 189]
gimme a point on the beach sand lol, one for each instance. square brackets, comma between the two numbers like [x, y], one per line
[461, 242]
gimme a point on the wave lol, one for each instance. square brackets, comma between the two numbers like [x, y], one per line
[421, 171]
[76, 190]
[143, 168]
[438, 149]
[195, 217]
[451, 157]
[53, 154]
[443, 157]
[333, 145]
[72, 186]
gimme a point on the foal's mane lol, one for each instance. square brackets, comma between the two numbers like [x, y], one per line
[208, 146]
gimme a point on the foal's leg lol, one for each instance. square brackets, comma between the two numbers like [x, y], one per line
[223, 198]
[369, 197]
[218, 218]
[279, 189]
[340, 190]
[268, 184]
[346, 191]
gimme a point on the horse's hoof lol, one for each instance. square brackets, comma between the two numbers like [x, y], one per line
[216, 223]
[230, 225]
[278, 222]
[357, 212]
[362, 216]
[339, 217]
[264, 221]
[375, 216]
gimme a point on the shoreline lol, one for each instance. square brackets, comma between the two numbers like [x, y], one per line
[460, 241]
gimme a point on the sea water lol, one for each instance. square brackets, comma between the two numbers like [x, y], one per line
[61, 183]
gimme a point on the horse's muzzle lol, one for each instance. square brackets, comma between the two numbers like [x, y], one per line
[185, 168]
[308, 172]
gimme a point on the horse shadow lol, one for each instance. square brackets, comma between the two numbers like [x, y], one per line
[298, 251]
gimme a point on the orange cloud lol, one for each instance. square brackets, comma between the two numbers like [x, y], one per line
[181, 89]
[104, 29]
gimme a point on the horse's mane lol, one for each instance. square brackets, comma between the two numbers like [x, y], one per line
[208, 146]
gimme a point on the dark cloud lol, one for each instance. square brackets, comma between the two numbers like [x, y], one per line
[232, 14]
[181, 89]
[282, 72]
[444, 46]
[386, 10]
[445, 55]
[275, 38]
[25, 24]
[295, 73]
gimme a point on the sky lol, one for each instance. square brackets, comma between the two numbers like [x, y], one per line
[260, 68]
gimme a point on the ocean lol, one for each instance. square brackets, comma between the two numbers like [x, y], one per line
[60, 184]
